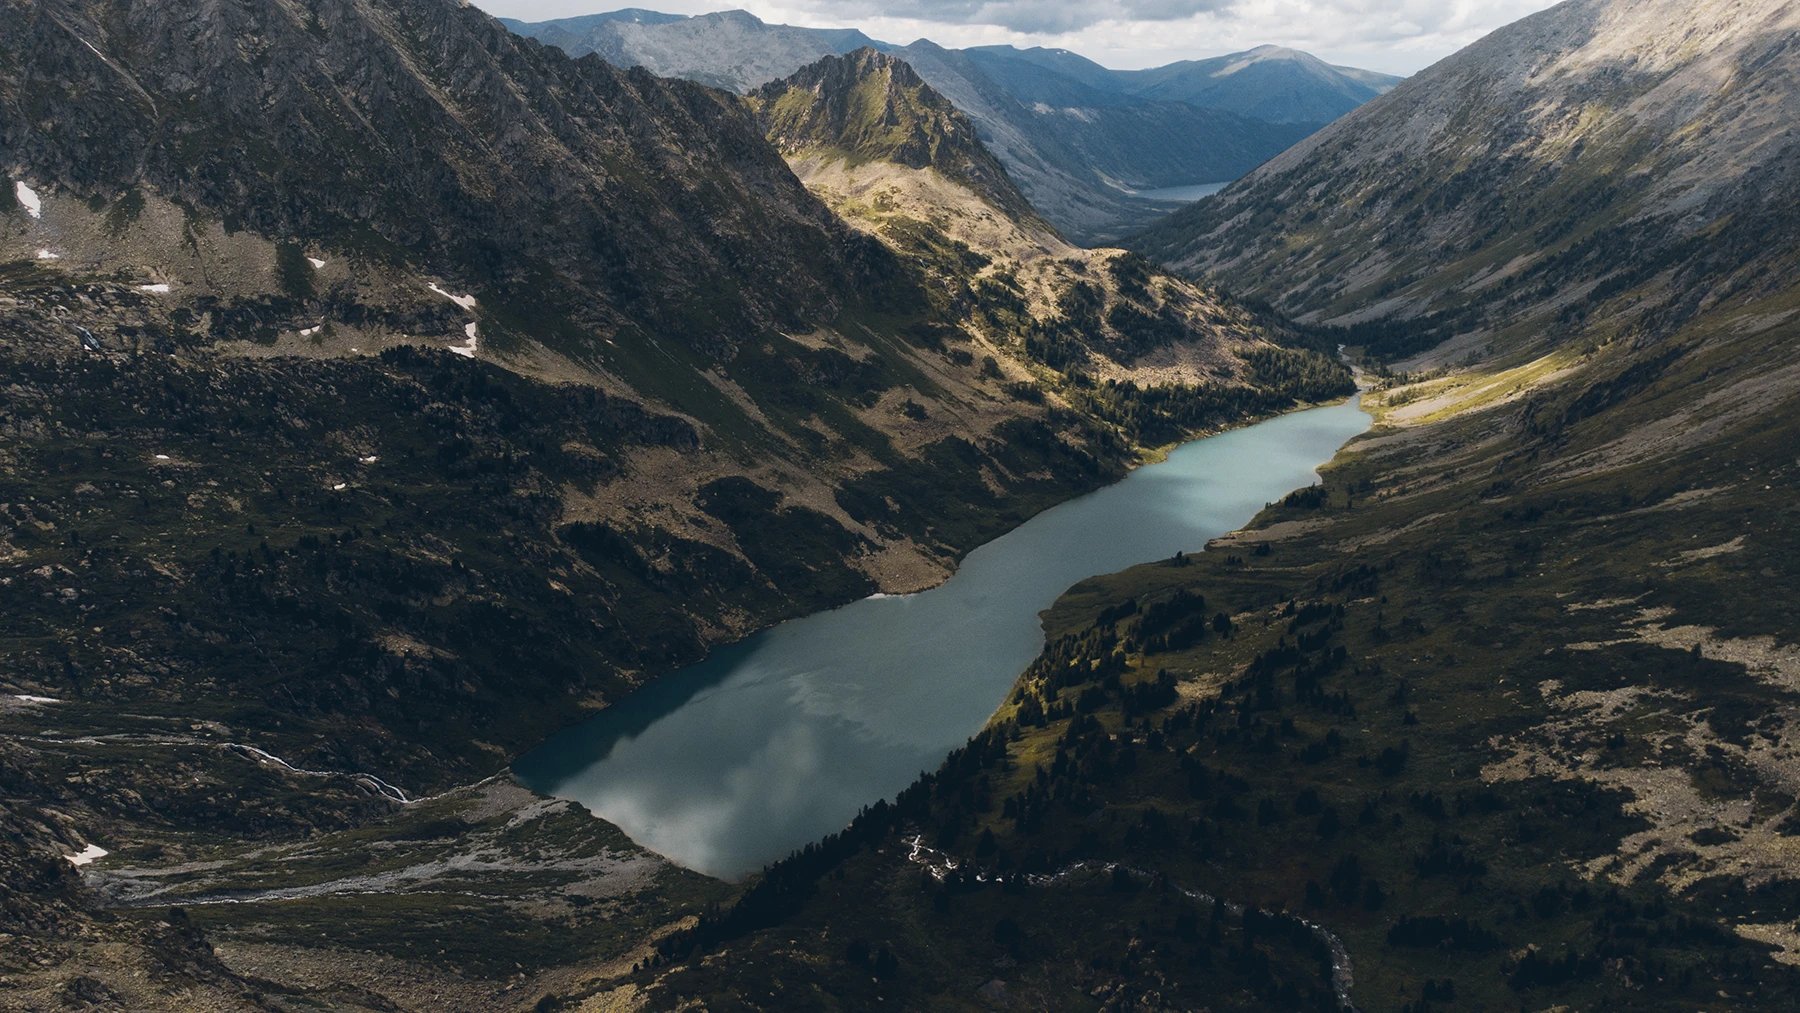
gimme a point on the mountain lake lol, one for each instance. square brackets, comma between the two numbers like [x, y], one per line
[780, 739]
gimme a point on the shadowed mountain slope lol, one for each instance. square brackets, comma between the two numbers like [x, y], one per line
[422, 130]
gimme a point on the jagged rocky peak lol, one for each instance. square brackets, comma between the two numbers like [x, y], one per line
[899, 161]
[867, 103]
[872, 106]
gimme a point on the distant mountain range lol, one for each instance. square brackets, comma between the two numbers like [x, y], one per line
[1079, 138]
[1270, 83]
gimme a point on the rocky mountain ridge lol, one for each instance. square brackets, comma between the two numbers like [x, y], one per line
[1270, 83]
[734, 50]
[1078, 138]
[1581, 150]
[1097, 328]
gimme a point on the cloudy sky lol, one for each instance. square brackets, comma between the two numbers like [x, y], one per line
[1398, 36]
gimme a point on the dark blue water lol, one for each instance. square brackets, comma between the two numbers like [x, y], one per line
[1190, 193]
[779, 740]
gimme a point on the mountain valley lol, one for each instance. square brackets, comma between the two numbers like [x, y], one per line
[1514, 680]
[339, 473]
[385, 390]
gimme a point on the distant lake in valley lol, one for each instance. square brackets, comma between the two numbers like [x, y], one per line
[779, 740]
[1188, 194]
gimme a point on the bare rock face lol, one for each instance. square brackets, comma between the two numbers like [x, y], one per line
[1599, 143]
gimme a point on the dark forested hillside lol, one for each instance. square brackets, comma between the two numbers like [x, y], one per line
[381, 391]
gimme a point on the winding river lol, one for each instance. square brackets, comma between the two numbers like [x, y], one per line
[776, 741]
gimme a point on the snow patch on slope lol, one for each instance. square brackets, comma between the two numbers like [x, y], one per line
[467, 302]
[28, 199]
[467, 351]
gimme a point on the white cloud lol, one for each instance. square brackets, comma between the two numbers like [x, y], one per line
[1398, 36]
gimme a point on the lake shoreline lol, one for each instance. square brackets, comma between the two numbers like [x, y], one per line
[863, 704]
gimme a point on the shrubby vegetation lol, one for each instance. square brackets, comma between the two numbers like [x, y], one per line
[1300, 732]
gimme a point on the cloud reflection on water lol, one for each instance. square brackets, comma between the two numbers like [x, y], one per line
[778, 741]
